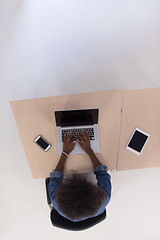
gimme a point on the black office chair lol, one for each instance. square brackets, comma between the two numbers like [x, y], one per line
[64, 223]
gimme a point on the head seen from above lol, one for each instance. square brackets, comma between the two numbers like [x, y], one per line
[77, 198]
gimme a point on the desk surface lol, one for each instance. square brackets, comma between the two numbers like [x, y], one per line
[141, 109]
[35, 117]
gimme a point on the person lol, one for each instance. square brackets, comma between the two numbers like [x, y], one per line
[76, 198]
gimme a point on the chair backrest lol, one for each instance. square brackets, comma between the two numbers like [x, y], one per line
[64, 223]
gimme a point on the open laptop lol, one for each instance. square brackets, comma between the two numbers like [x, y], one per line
[74, 121]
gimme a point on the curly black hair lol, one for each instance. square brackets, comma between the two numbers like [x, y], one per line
[77, 198]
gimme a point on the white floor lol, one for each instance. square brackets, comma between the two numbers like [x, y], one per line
[55, 47]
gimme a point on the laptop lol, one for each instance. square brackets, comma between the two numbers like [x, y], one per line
[74, 121]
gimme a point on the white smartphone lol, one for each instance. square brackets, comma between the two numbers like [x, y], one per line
[137, 141]
[42, 143]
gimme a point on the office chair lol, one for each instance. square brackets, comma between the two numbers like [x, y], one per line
[64, 223]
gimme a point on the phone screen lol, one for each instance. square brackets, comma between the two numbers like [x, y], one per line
[42, 143]
[138, 140]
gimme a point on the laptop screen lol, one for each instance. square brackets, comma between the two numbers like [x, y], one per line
[76, 117]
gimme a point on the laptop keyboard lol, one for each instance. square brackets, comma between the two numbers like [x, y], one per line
[75, 132]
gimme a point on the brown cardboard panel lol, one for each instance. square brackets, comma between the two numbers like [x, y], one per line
[35, 117]
[141, 109]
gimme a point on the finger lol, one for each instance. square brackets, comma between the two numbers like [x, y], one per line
[65, 135]
[85, 134]
[73, 144]
[79, 141]
[69, 136]
[80, 136]
[72, 137]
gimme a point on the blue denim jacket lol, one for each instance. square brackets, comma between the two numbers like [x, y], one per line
[103, 180]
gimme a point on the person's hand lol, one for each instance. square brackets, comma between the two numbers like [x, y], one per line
[84, 141]
[68, 144]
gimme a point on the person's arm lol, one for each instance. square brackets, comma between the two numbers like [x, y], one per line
[93, 158]
[103, 180]
[60, 165]
[68, 146]
[56, 178]
[57, 175]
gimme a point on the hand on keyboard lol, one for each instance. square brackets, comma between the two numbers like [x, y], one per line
[84, 141]
[75, 132]
[68, 144]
